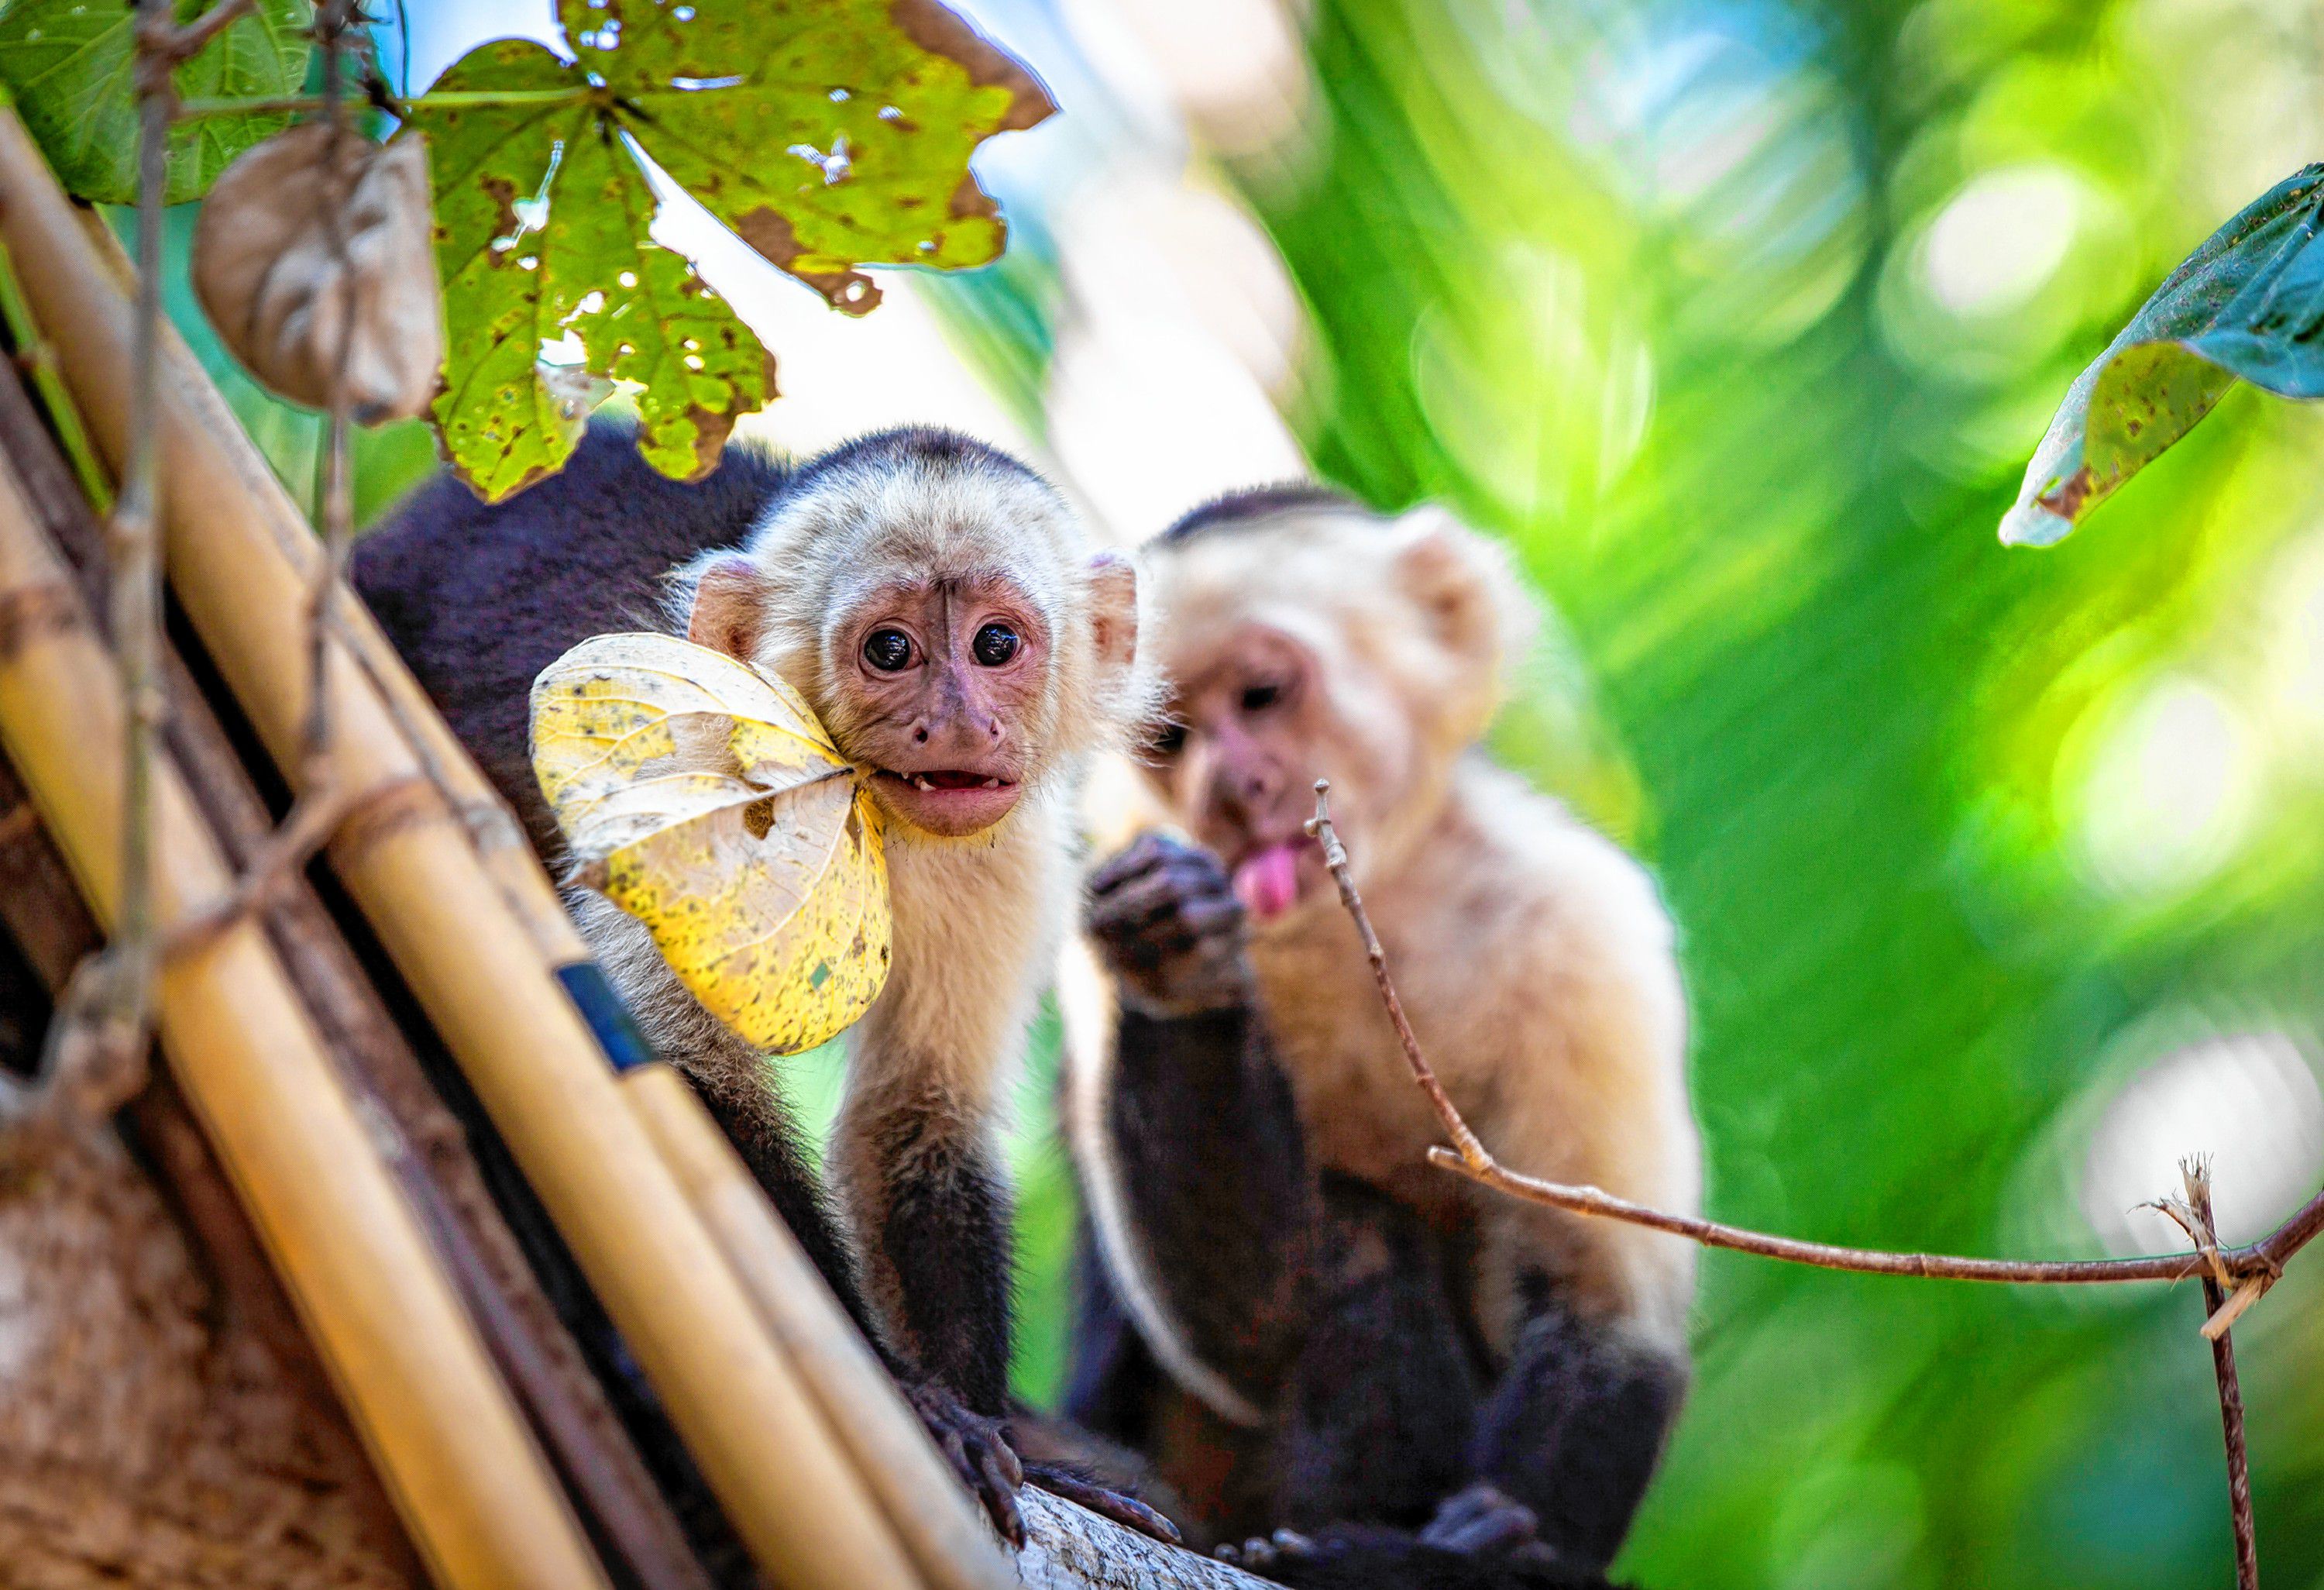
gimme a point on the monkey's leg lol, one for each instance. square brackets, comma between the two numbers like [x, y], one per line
[1575, 1426]
[1563, 1448]
[1381, 1405]
[927, 1189]
[940, 1222]
[1385, 1413]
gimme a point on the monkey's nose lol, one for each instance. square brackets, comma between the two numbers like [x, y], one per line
[920, 733]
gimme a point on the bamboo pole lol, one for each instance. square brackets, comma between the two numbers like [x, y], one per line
[947, 1539]
[469, 1483]
[237, 551]
[421, 1141]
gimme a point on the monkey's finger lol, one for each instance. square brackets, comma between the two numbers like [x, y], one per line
[1136, 901]
[998, 1477]
[955, 1453]
[1002, 1451]
[1007, 1516]
[1126, 1511]
[1140, 901]
[1211, 914]
[1145, 852]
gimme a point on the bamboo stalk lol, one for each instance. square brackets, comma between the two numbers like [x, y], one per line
[423, 1143]
[465, 1475]
[948, 1540]
[237, 551]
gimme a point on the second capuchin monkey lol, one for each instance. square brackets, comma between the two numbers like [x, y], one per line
[935, 602]
[1299, 1321]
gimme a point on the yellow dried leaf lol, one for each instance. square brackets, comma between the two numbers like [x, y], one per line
[702, 796]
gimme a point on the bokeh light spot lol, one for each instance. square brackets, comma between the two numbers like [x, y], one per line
[2249, 1100]
[2171, 790]
[2002, 237]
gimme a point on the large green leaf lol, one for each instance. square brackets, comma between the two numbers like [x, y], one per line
[829, 134]
[840, 134]
[541, 228]
[2249, 304]
[70, 66]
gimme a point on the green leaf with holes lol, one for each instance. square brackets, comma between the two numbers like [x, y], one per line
[542, 223]
[2249, 305]
[70, 66]
[829, 134]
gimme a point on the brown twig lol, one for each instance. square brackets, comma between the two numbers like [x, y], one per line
[2247, 1272]
[2197, 1176]
[323, 797]
[2245, 1265]
[181, 44]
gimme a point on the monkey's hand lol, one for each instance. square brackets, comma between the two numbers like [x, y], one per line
[1165, 916]
[982, 1454]
[978, 1449]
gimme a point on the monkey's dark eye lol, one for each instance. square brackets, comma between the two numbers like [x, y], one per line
[888, 650]
[1260, 698]
[1169, 739]
[995, 644]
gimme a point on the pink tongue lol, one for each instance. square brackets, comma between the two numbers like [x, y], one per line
[1268, 882]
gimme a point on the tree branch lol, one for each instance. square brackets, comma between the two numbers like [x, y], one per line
[2197, 1174]
[2251, 1267]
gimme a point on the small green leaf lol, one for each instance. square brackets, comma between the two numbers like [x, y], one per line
[71, 66]
[2249, 304]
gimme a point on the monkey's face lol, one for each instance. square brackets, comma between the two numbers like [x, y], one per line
[945, 622]
[1331, 645]
[941, 686]
[1256, 716]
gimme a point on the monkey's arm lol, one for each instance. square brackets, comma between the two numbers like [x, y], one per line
[931, 1208]
[1201, 1136]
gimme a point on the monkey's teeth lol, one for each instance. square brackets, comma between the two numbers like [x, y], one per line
[922, 782]
[992, 783]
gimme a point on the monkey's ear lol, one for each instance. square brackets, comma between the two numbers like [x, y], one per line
[1464, 584]
[1113, 612]
[730, 606]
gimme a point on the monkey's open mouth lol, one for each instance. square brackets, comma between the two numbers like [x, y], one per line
[951, 802]
[950, 779]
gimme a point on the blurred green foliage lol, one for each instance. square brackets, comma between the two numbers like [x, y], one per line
[1676, 296]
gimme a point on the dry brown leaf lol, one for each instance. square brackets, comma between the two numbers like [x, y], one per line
[291, 304]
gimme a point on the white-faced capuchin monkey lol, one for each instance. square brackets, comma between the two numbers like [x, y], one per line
[1298, 1321]
[936, 603]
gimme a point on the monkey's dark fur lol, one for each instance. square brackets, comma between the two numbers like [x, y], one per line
[479, 599]
[1357, 1309]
